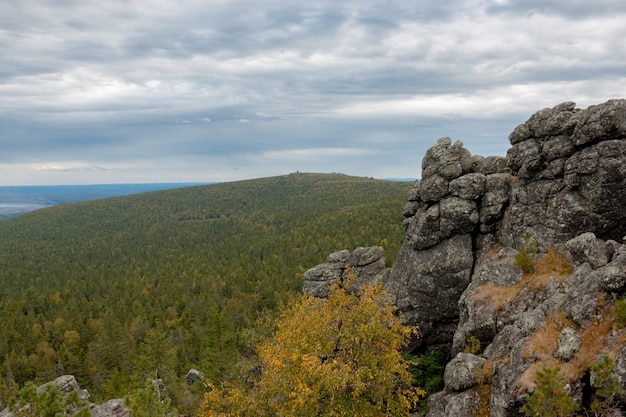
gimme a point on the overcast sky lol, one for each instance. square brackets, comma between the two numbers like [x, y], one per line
[118, 91]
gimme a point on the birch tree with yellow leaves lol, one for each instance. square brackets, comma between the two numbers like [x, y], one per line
[339, 356]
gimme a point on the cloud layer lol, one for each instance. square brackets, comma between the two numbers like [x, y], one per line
[164, 90]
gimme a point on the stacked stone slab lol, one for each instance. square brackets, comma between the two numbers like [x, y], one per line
[571, 174]
[568, 192]
[458, 202]
[367, 264]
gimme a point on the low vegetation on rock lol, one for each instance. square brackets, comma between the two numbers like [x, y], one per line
[48, 401]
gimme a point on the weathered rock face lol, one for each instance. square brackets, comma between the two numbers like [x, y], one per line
[459, 197]
[568, 192]
[66, 384]
[427, 285]
[571, 175]
[564, 175]
[546, 321]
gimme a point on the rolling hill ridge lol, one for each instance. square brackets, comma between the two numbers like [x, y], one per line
[117, 289]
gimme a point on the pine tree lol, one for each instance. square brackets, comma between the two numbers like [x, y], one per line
[147, 402]
[606, 385]
[48, 402]
[550, 398]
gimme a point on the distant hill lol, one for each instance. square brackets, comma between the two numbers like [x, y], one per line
[111, 290]
[16, 200]
[401, 179]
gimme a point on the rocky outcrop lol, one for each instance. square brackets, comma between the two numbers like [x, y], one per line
[568, 191]
[464, 371]
[193, 376]
[367, 264]
[551, 317]
[459, 197]
[68, 384]
[562, 186]
[564, 175]
[112, 408]
[570, 171]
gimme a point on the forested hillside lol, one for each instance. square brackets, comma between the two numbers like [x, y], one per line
[116, 290]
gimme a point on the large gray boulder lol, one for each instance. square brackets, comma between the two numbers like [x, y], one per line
[112, 408]
[465, 403]
[459, 199]
[570, 172]
[427, 285]
[193, 376]
[569, 342]
[367, 264]
[463, 372]
[447, 160]
[587, 248]
[66, 384]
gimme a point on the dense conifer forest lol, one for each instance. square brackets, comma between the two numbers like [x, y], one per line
[119, 290]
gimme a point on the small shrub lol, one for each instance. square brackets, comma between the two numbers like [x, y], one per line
[472, 345]
[606, 385]
[524, 262]
[524, 259]
[550, 398]
[620, 313]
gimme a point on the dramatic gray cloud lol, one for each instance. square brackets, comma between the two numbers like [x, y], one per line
[216, 90]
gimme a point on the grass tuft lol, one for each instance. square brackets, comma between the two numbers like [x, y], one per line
[552, 265]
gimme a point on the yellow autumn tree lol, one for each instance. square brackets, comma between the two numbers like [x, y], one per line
[339, 356]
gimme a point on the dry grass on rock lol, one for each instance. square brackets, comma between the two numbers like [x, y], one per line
[552, 265]
[542, 345]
